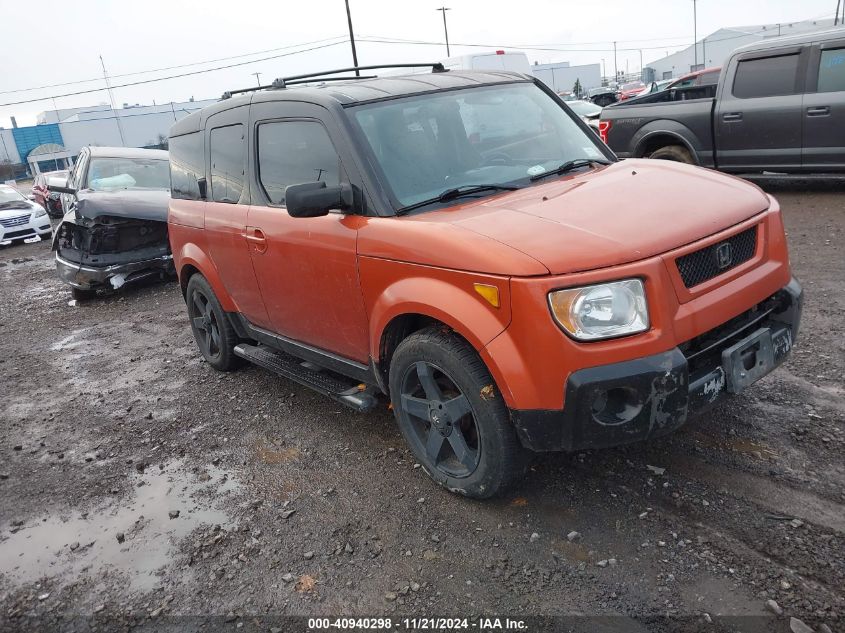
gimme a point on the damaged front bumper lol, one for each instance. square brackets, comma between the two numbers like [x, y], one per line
[111, 251]
[115, 275]
[652, 396]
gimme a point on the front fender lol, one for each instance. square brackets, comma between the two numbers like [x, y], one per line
[393, 289]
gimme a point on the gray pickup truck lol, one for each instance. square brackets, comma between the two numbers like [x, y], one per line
[779, 107]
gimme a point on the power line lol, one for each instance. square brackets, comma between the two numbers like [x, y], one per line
[195, 72]
[186, 65]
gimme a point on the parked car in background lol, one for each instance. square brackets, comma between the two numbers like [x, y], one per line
[50, 200]
[602, 96]
[779, 108]
[114, 229]
[21, 218]
[706, 77]
[631, 89]
[588, 111]
[521, 290]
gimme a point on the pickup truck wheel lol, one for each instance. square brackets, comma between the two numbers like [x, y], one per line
[451, 414]
[211, 327]
[677, 153]
[82, 294]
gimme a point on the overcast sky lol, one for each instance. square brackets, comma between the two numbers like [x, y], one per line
[62, 40]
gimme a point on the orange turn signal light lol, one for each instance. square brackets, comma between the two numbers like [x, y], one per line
[489, 293]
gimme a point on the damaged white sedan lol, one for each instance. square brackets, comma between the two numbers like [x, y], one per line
[114, 229]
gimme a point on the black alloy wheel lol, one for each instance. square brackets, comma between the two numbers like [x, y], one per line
[211, 327]
[441, 419]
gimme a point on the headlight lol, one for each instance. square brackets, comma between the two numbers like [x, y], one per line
[601, 311]
[38, 210]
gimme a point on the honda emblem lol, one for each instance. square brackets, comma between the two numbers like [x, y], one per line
[724, 255]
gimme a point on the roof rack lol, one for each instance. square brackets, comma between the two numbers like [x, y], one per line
[283, 82]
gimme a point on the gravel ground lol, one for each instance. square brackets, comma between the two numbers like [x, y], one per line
[138, 485]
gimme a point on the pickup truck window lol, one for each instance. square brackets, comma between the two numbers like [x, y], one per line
[832, 70]
[226, 147]
[495, 135]
[293, 153]
[766, 77]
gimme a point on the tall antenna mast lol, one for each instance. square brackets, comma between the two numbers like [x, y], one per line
[111, 98]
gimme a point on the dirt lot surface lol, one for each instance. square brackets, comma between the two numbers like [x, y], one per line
[138, 485]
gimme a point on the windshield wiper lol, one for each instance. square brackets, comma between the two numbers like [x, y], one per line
[454, 193]
[571, 165]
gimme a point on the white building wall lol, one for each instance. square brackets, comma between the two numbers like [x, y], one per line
[141, 125]
[562, 77]
[714, 49]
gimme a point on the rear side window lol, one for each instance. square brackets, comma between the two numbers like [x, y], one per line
[186, 166]
[227, 151]
[832, 70]
[766, 77]
[293, 153]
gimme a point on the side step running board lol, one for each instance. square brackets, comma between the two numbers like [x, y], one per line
[293, 368]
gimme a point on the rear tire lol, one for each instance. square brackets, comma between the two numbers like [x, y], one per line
[452, 415]
[212, 329]
[677, 153]
[82, 294]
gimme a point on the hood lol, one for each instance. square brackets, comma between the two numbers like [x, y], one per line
[612, 215]
[140, 204]
[25, 206]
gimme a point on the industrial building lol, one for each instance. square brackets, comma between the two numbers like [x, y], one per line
[715, 48]
[56, 140]
[561, 77]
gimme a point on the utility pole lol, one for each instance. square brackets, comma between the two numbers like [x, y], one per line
[615, 65]
[257, 78]
[443, 10]
[352, 41]
[642, 70]
[695, 30]
[111, 99]
[836, 15]
[603, 73]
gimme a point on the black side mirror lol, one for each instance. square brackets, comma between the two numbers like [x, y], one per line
[68, 190]
[313, 199]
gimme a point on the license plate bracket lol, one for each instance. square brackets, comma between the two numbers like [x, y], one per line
[748, 360]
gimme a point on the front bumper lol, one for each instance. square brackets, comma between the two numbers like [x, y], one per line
[90, 277]
[39, 227]
[648, 397]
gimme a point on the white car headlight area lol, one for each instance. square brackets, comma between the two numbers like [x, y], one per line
[38, 211]
[601, 311]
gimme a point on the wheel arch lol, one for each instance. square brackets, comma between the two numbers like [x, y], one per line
[649, 139]
[193, 260]
[398, 312]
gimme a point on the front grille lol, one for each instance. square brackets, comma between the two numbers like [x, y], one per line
[25, 232]
[15, 221]
[713, 260]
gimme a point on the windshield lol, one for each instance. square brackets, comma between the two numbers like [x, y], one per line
[10, 196]
[492, 135]
[110, 174]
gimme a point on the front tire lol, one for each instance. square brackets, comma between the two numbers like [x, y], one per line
[82, 294]
[212, 330]
[452, 416]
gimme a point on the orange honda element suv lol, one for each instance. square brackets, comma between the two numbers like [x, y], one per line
[463, 243]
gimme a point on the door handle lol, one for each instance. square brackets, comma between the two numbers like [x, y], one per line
[732, 116]
[256, 236]
[818, 111]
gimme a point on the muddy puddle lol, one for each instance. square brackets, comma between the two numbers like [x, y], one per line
[131, 539]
